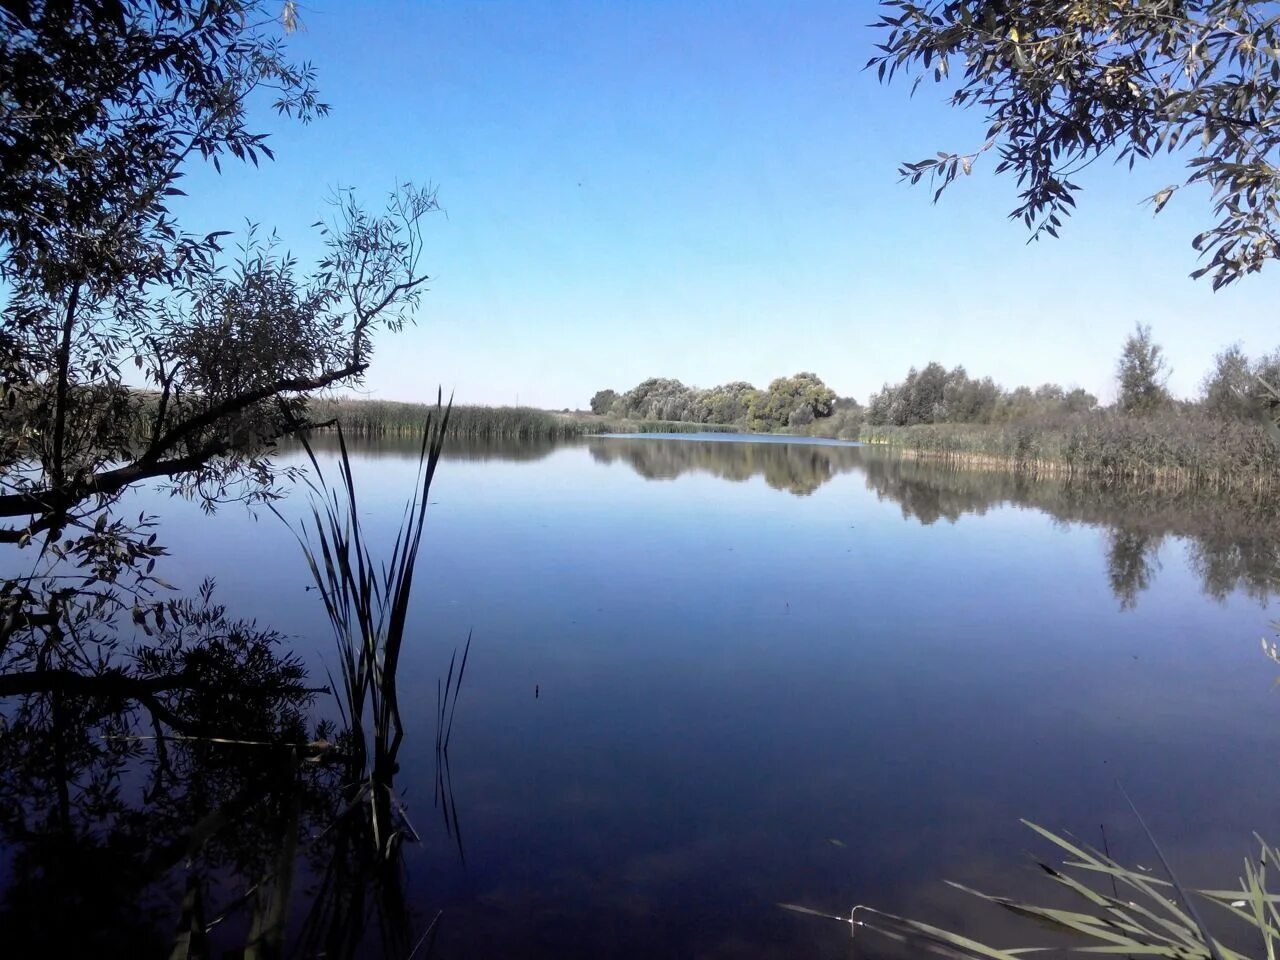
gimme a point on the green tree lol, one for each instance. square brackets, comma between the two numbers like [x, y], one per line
[658, 398]
[603, 401]
[1226, 390]
[1079, 400]
[803, 395]
[845, 421]
[106, 105]
[1141, 373]
[1063, 84]
[968, 400]
[730, 402]
[880, 406]
[1238, 388]
[923, 399]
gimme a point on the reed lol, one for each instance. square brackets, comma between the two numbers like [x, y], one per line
[367, 604]
[378, 417]
[386, 417]
[1185, 449]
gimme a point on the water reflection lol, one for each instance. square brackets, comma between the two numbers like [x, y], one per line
[1133, 560]
[407, 447]
[798, 468]
[1233, 543]
[197, 811]
[677, 774]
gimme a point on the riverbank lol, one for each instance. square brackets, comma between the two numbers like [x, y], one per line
[1185, 448]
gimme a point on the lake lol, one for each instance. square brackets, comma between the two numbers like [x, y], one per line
[710, 676]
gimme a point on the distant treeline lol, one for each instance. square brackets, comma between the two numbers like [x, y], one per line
[1220, 438]
[1237, 387]
[937, 395]
[795, 401]
[1225, 439]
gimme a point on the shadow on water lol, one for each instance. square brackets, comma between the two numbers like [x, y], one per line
[255, 837]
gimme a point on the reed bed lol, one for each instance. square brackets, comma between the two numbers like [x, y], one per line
[387, 417]
[1185, 449]
[379, 417]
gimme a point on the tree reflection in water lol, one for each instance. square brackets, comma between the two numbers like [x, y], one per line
[1233, 542]
[234, 821]
[188, 804]
[798, 468]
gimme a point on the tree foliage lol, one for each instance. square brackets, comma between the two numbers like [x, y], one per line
[603, 401]
[789, 401]
[937, 395]
[1064, 84]
[730, 402]
[132, 349]
[1141, 373]
[1238, 387]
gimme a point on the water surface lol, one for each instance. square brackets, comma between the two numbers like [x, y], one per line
[709, 676]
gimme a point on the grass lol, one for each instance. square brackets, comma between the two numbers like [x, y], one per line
[1116, 911]
[1184, 449]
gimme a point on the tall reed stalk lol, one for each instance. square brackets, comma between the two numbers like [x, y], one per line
[367, 603]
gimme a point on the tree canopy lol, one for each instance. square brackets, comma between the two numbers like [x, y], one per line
[1141, 373]
[1062, 85]
[603, 400]
[1237, 387]
[934, 394]
[133, 349]
[789, 401]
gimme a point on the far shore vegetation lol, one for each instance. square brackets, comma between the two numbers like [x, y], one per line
[388, 417]
[1224, 439]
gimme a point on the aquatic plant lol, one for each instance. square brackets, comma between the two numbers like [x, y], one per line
[367, 604]
[473, 422]
[1120, 912]
[381, 417]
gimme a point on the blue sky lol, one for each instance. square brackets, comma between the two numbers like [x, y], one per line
[708, 191]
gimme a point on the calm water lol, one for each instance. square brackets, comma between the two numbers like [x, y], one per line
[808, 673]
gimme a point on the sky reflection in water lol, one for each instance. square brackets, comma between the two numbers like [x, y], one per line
[789, 672]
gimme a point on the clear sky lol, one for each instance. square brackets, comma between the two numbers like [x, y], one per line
[708, 191]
